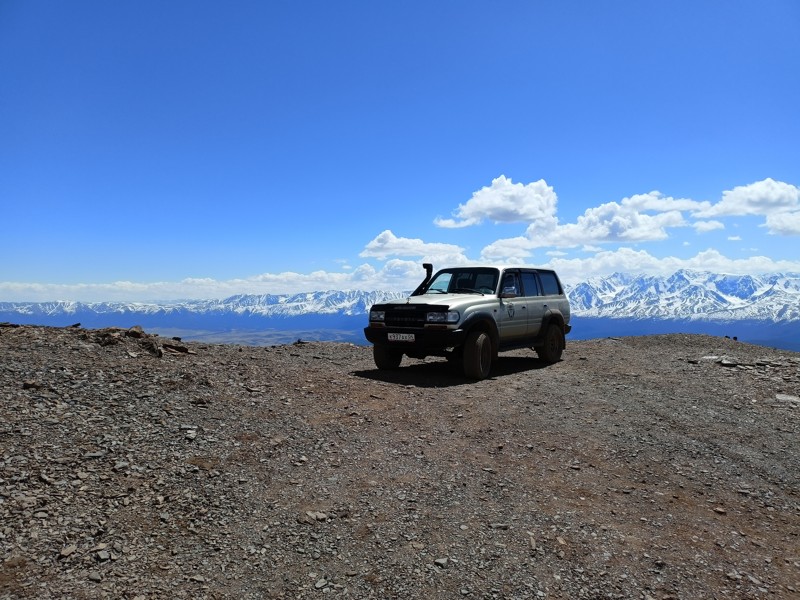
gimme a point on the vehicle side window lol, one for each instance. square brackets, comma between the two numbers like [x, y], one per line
[550, 285]
[529, 285]
[511, 284]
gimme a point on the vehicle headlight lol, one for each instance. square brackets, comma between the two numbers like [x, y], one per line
[377, 315]
[450, 316]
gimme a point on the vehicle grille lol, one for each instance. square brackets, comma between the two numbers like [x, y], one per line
[407, 316]
[405, 319]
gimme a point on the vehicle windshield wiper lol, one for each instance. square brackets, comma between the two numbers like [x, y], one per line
[466, 291]
[435, 290]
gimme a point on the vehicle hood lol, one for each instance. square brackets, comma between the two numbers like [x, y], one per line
[453, 301]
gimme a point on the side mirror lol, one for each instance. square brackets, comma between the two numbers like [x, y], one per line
[509, 292]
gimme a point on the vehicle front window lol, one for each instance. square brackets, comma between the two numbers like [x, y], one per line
[440, 283]
[464, 281]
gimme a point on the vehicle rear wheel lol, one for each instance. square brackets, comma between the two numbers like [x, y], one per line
[386, 358]
[477, 355]
[553, 345]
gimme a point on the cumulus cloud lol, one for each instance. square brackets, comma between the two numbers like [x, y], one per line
[122, 291]
[506, 202]
[638, 218]
[511, 250]
[649, 217]
[765, 197]
[706, 226]
[784, 224]
[613, 222]
[628, 221]
[289, 280]
[627, 260]
[394, 263]
[387, 244]
[656, 202]
[394, 275]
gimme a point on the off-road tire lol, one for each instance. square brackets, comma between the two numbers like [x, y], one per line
[553, 344]
[477, 355]
[386, 358]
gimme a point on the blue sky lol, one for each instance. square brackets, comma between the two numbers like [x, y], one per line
[191, 149]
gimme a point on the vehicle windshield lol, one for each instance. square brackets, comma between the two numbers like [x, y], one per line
[464, 281]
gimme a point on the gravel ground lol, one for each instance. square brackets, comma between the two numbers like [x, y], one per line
[136, 466]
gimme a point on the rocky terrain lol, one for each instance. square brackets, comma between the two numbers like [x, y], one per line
[135, 466]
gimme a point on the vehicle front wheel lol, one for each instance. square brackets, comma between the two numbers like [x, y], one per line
[553, 345]
[477, 355]
[386, 358]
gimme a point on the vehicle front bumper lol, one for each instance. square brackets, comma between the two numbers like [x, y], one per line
[424, 338]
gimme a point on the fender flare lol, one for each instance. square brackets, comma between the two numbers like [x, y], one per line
[554, 316]
[486, 322]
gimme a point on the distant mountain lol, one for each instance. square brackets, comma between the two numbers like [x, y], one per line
[690, 295]
[243, 305]
[767, 306]
[246, 319]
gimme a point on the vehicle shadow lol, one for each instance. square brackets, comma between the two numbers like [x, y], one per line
[441, 373]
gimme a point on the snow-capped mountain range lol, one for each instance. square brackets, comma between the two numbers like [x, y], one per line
[348, 303]
[683, 295]
[690, 295]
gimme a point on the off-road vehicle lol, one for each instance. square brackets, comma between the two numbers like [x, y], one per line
[469, 314]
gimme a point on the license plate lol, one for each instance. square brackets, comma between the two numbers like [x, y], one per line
[400, 337]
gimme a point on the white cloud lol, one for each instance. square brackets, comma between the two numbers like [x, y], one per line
[122, 291]
[614, 222]
[628, 260]
[511, 250]
[396, 275]
[706, 226]
[735, 238]
[290, 282]
[656, 202]
[764, 197]
[506, 202]
[637, 219]
[607, 223]
[387, 244]
[784, 224]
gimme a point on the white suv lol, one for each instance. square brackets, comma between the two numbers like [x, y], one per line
[470, 314]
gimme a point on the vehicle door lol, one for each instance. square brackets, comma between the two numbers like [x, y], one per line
[552, 294]
[533, 301]
[512, 314]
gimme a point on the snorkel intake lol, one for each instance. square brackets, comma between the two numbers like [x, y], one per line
[428, 272]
